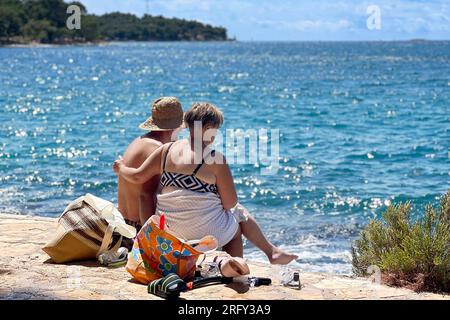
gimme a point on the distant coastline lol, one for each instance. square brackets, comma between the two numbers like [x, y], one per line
[44, 22]
[34, 44]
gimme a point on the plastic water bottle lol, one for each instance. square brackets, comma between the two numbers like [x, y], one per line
[209, 269]
[289, 277]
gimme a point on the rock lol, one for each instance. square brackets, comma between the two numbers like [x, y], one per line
[27, 273]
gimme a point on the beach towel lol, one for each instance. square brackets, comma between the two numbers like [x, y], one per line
[157, 253]
[192, 215]
[86, 229]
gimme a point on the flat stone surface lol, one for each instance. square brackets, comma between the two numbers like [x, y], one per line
[27, 273]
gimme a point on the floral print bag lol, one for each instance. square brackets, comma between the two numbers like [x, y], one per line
[156, 253]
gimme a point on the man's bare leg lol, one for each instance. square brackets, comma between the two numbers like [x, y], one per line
[235, 247]
[252, 231]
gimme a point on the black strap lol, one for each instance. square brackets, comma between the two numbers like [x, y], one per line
[201, 164]
[165, 156]
[198, 168]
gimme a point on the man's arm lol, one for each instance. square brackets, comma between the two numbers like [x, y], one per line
[147, 199]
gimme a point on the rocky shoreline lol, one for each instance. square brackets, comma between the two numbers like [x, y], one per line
[27, 273]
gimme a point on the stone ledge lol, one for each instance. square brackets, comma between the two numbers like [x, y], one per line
[25, 273]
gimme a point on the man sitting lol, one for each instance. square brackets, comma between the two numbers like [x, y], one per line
[137, 202]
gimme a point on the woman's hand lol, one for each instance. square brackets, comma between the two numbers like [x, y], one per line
[150, 168]
[119, 163]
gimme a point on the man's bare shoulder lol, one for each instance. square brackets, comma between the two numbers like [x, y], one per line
[148, 145]
[140, 149]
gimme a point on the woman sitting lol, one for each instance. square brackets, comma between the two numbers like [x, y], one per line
[198, 195]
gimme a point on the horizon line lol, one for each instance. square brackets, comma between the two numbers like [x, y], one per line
[342, 40]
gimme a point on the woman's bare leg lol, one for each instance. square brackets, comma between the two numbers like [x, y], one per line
[252, 231]
[235, 247]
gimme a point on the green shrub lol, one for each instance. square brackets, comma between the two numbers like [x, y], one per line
[414, 254]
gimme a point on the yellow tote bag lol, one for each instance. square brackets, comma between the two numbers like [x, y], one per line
[85, 230]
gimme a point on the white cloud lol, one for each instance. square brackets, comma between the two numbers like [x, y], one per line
[299, 20]
[322, 25]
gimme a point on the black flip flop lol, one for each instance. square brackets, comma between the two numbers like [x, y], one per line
[171, 286]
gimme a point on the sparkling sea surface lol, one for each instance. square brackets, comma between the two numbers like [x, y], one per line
[362, 125]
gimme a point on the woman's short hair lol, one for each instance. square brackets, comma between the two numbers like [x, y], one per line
[204, 112]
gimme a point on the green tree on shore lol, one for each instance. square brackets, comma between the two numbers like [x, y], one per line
[22, 21]
[12, 17]
[39, 30]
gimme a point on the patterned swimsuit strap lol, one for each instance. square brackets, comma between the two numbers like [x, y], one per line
[203, 162]
[165, 156]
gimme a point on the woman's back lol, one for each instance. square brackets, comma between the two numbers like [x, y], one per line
[190, 197]
[183, 167]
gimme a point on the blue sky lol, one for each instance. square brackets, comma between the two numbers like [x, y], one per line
[291, 20]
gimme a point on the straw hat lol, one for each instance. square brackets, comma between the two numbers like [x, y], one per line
[167, 115]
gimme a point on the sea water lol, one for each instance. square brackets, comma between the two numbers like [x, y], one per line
[362, 125]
